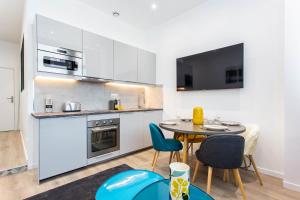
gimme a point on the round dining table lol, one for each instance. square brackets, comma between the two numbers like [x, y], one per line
[187, 127]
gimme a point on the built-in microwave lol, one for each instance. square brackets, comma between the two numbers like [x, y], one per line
[59, 60]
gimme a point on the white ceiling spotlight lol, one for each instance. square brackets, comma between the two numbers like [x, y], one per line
[116, 14]
[153, 6]
[141, 15]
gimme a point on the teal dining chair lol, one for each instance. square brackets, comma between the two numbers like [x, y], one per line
[160, 143]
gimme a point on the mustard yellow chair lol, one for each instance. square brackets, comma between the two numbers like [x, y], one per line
[192, 138]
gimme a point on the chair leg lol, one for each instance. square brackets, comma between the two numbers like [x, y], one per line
[226, 175]
[155, 160]
[196, 170]
[236, 182]
[192, 149]
[255, 169]
[171, 156]
[238, 178]
[209, 177]
[178, 156]
[245, 163]
[174, 155]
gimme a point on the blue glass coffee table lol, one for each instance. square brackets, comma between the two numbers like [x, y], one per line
[160, 191]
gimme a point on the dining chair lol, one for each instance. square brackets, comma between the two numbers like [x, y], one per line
[251, 137]
[160, 143]
[223, 152]
[192, 139]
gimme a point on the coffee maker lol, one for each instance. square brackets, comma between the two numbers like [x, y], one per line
[115, 102]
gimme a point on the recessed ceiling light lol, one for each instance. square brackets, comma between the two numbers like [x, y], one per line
[116, 14]
[153, 6]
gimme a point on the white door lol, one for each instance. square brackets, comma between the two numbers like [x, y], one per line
[6, 99]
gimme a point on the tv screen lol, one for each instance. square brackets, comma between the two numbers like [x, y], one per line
[217, 69]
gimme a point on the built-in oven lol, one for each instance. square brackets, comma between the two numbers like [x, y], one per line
[59, 60]
[103, 136]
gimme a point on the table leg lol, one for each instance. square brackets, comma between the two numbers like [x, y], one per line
[185, 148]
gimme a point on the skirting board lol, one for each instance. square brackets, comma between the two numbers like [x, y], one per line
[32, 165]
[24, 147]
[291, 186]
[276, 174]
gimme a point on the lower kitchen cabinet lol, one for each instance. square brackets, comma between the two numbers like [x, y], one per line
[134, 130]
[63, 140]
[131, 136]
[62, 145]
[154, 117]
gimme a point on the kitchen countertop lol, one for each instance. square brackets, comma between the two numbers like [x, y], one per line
[88, 112]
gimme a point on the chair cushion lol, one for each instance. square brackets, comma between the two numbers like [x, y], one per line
[171, 145]
[126, 185]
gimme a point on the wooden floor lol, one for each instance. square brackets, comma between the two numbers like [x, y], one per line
[11, 150]
[22, 185]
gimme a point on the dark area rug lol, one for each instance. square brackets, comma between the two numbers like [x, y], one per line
[82, 189]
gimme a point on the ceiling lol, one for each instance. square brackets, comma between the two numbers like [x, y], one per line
[11, 13]
[139, 12]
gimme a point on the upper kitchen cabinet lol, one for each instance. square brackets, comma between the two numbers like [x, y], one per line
[146, 67]
[98, 55]
[125, 62]
[57, 34]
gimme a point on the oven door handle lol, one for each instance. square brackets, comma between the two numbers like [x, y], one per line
[104, 128]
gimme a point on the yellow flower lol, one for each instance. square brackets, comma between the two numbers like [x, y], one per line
[180, 180]
[175, 184]
[185, 183]
[184, 190]
[174, 194]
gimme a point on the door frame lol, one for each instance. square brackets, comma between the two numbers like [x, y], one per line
[16, 97]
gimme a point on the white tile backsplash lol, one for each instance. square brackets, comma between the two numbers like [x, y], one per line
[92, 96]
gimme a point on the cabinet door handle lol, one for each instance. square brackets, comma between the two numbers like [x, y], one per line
[61, 51]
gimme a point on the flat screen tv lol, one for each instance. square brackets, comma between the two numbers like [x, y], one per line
[217, 69]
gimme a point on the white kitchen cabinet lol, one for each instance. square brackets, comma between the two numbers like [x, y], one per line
[62, 145]
[131, 133]
[146, 67]
[150, 117]
[134, 130]
[97, 56]
[57, 34]
[125, 62]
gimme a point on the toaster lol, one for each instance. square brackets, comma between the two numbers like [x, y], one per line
[70, 106]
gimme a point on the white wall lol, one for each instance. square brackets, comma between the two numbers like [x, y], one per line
[10, 58]
[26, 96]
[292, 95]
[77, 14]
[213, 24]
[219, 23]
